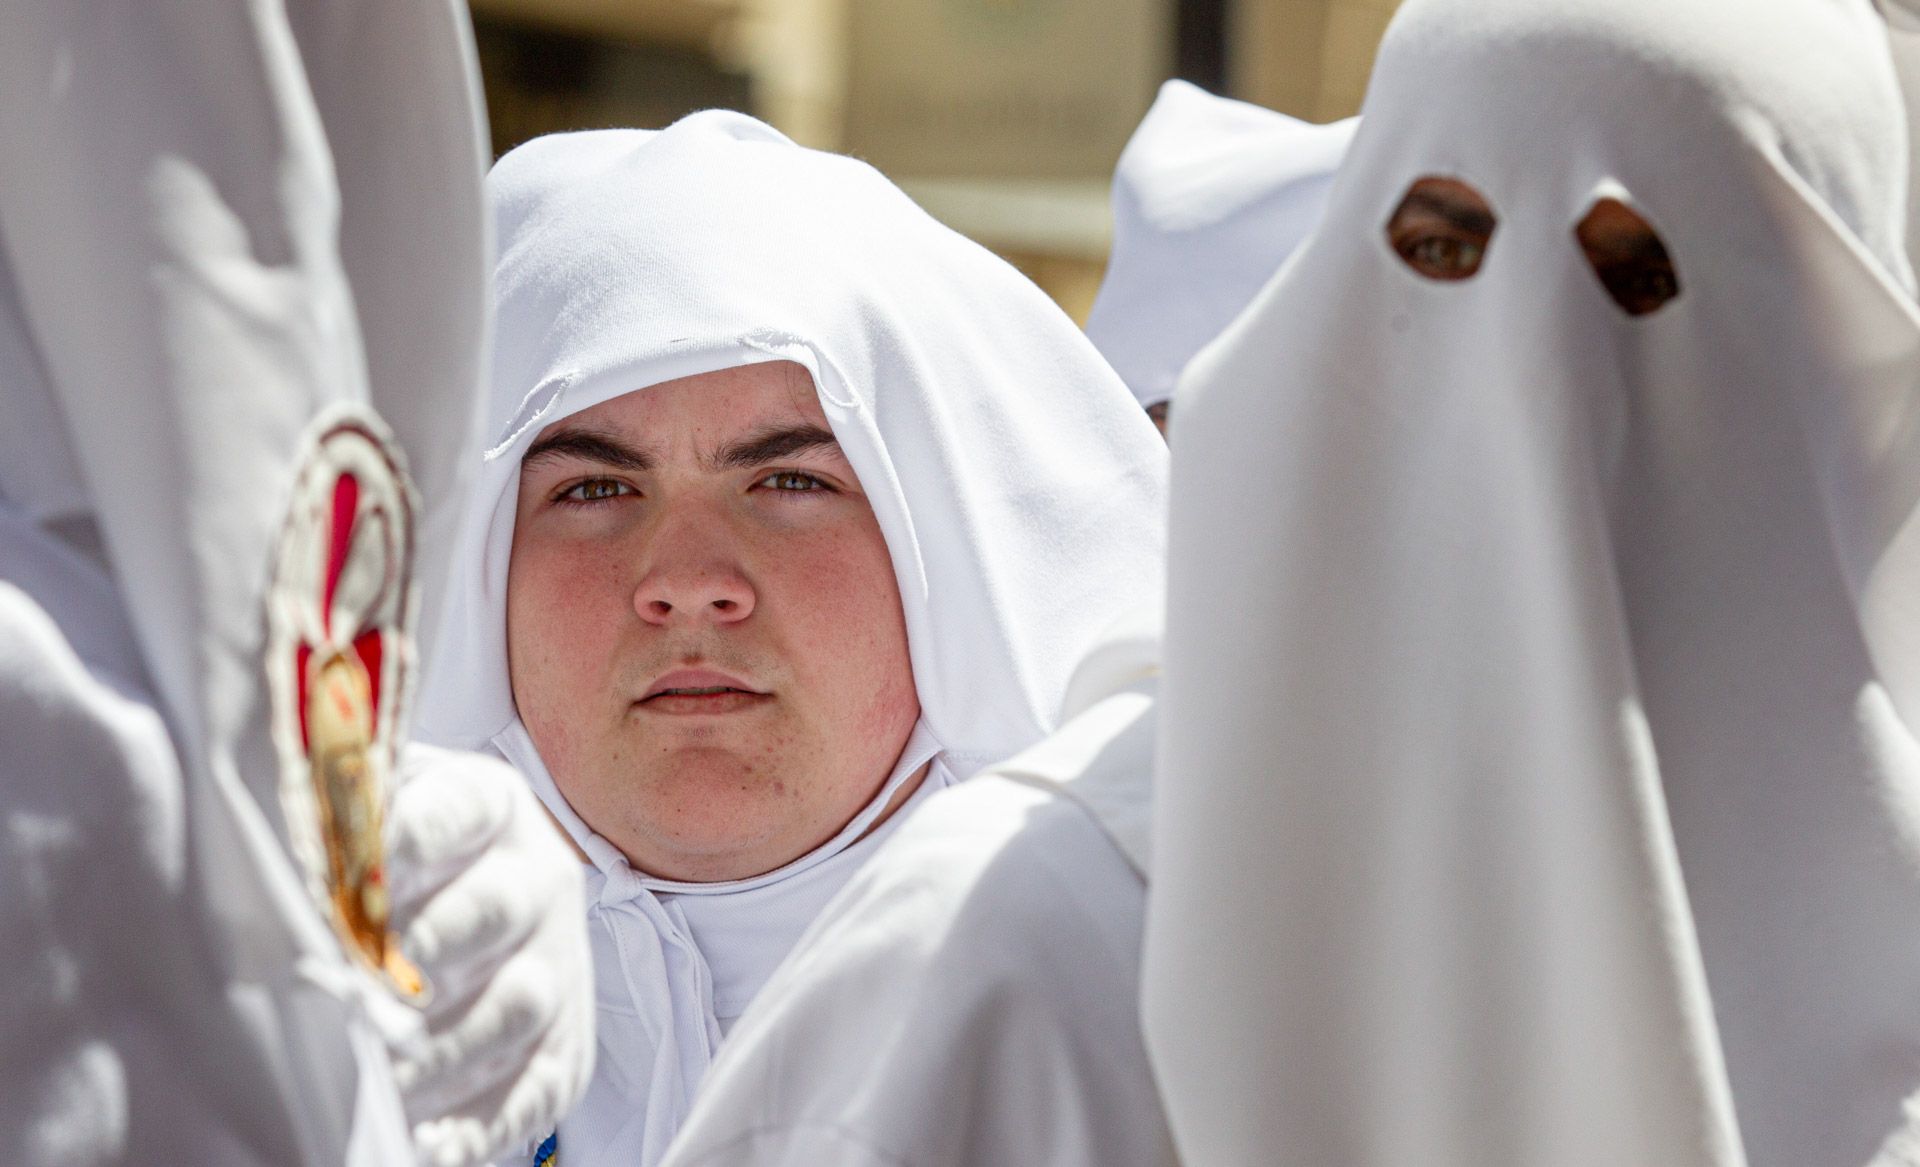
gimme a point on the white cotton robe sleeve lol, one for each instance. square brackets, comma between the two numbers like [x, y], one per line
[970, 998]
[117, 1042]
[186, 295]
[189, 321]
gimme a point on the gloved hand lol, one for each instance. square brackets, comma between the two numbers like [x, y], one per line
[488, 902]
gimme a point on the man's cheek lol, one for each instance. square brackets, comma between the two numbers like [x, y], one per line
[852, 572]
[567, 752]
[556, 674]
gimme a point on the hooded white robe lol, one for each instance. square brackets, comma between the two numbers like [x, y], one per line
[1541, 680]
[177, 310]
[1210, 197]
[1013, 479]
[971, 998]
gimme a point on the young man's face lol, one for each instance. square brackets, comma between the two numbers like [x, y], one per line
[705, 634]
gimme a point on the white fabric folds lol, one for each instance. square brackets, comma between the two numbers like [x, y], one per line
[970, 999]
[1211, 196]
[674, 964]
[1903, 32]
[1540, 777]
[180, 305]
[1003, 459]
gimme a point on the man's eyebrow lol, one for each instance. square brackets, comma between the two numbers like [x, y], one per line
[773, 444]
[589, 445]
[1465, 216]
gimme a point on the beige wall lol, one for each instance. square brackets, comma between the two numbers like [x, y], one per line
[687, 23]
[796, 51]
[1309, 58]
[1002, 117]
[1002, 89]
[813, 63]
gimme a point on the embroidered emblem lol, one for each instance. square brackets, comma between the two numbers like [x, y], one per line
[339, 665]
[548, 1153]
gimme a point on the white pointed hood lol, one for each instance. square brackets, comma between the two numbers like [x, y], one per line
[1211, 196]
[1540, 776]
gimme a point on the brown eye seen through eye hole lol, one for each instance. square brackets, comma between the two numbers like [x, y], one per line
[1442, 229]
[1629, 257]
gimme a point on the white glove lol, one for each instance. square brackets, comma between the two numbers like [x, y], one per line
[488, 902]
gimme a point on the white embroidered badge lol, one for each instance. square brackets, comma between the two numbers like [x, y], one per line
[340, 647]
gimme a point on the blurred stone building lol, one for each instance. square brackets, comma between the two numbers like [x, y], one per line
[1002, 117]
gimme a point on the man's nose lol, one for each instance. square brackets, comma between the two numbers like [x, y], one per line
[690, 581]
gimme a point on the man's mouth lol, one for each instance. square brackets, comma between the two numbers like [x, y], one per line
[700, 691]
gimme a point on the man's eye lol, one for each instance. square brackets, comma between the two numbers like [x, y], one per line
[792, 480]
[1641, 289]
[594, 490]
[1629, 256]
[1442, 229]
[1444, 257]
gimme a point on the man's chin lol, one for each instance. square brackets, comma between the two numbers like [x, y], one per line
[704, 806]
[708, 844]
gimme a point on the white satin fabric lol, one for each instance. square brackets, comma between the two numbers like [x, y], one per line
[675, 964]
[1210, 198]
[179, 302]
[1541, 784]
[1903, 32]
[1012, 478]
[971, 998]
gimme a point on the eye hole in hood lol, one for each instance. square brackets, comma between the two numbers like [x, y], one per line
[1629, 256]
[1442, 229]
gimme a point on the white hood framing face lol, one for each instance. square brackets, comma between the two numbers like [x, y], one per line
[1019, 490]
[1550, 672]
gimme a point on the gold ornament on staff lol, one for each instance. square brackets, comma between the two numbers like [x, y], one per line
[340, 727]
